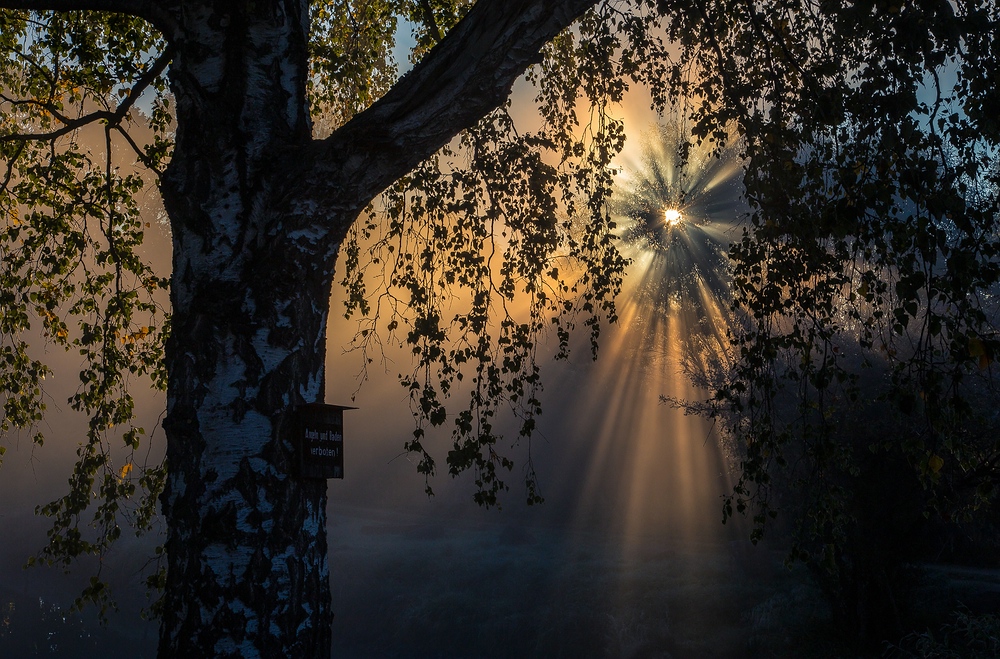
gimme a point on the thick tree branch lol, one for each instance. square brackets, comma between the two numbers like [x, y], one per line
[161, 14]
[467, 75]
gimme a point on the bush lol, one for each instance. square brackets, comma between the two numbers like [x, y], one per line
[968, 637]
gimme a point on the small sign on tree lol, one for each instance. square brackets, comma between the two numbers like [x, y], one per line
[319, 440]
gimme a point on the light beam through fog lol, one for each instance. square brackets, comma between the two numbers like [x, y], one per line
[655, 475]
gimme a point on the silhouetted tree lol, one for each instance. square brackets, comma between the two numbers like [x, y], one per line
[271, 129]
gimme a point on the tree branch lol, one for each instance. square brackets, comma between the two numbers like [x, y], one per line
[467, 75]
[161, 14]
[113, 119]
[148, 77]
[432, 24]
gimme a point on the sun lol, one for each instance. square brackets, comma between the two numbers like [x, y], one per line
[672, 217]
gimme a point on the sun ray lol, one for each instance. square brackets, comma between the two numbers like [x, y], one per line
[677, 210]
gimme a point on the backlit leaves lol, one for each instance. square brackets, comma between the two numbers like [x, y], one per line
[868, 274]
[73, 274]
[501, 241]
[351, 56]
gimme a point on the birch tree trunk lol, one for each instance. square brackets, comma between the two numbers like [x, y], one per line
[247, 552]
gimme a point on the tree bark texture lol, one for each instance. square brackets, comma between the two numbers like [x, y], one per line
[247, 572]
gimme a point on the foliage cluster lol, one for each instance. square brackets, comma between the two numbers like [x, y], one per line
[968, 636]
[859, 371]
[502, 239]
[73, 275]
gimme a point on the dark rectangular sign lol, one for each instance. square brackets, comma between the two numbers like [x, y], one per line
[319, 440]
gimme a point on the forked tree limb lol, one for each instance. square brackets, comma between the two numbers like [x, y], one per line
[463, 78]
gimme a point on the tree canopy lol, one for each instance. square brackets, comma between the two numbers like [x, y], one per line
[273, 130]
